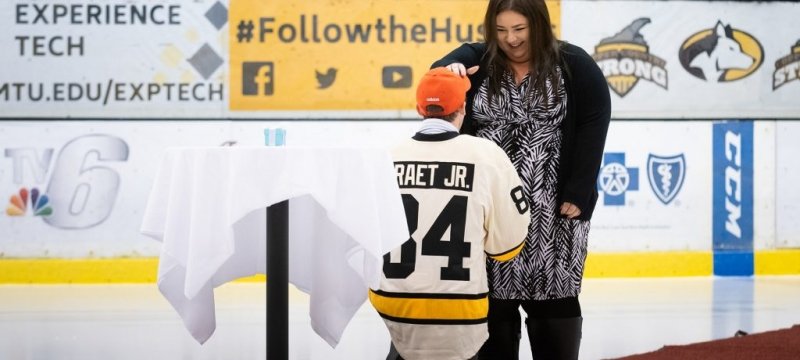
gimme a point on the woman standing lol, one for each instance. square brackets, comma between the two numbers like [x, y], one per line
[547, 104]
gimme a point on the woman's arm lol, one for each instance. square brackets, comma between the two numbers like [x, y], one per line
[593, 114]
[469, 54]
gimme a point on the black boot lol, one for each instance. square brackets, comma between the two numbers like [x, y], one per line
[555, 338]
[503, 342]
[505, 326]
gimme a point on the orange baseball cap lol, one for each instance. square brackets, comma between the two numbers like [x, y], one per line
[441, 87]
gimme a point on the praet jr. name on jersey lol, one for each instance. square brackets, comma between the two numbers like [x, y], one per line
[434, 175]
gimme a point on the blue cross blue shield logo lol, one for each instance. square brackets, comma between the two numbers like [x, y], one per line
[615, 179]
[666, 174]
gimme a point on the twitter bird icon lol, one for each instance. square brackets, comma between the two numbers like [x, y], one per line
[326, 79]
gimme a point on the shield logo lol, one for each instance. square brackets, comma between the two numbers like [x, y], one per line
[621, 83]
[666, 175]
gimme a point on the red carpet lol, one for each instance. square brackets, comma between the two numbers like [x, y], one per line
[778, 344]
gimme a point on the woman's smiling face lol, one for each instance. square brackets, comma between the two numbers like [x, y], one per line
[512, 36]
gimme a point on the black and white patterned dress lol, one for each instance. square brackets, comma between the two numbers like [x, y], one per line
[550, 265]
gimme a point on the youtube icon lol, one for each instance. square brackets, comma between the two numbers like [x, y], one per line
[396, 77]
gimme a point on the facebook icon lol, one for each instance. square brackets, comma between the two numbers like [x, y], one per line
[257, 76]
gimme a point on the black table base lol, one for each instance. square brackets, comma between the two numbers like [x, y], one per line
[278, 281]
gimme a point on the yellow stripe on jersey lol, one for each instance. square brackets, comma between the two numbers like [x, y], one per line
[419, 307]
[508, 255]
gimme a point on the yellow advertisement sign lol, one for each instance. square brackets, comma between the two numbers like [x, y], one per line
[343, 54]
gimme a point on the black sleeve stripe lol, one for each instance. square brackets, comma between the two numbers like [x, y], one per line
[433, 321]
[507, 251]
[430, 295]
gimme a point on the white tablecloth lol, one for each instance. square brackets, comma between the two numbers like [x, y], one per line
[207, 207]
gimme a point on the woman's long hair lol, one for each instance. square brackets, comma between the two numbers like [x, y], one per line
[542, 44]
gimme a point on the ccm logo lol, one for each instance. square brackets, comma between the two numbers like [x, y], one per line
[733, 183]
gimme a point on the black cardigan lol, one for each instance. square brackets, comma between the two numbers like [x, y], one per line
[584, 127]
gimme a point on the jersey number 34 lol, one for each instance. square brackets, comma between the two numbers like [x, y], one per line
[453, 216]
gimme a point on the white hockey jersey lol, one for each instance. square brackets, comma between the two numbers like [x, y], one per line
[463, 201]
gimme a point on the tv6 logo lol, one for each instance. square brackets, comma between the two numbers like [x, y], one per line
[82, 188]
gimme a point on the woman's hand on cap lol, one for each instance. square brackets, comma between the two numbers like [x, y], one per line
[461, 70]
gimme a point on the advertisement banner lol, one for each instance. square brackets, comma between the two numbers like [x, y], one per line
[113, 59]
[733, 198]
[328, 55]
[654, 193]
[78, 189]
[356, 55]
[733, 186]
[787, 176]
[692, 59]
[360, 59]
[224, 59]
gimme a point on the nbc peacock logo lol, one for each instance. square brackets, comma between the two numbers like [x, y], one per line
[18, 205]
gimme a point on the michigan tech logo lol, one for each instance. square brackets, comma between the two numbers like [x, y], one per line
[721, 54]
[787, 68]
[625, 59]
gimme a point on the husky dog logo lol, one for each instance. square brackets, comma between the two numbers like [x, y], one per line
[787, 68]
[625, 58]
[721, 54]
[666, 175]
